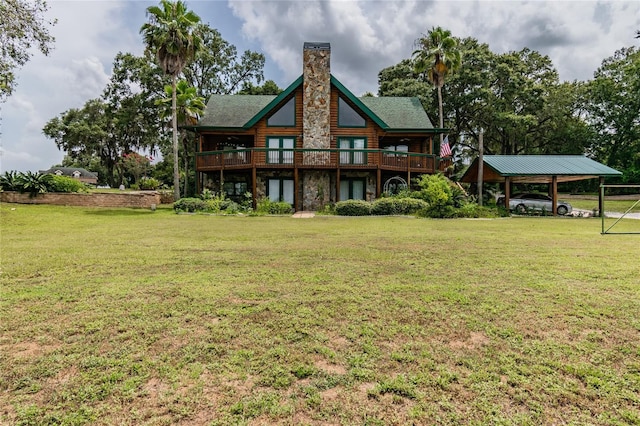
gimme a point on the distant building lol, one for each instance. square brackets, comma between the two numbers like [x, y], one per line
[79, 173]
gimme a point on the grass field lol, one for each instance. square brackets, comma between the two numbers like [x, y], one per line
[610, 205]
[132, 317]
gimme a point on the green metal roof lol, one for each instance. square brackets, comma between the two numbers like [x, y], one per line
[244, 111]
[399, 113]
[547, 165]
[277, 99]
[229, 111]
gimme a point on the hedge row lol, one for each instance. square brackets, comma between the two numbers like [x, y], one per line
[381, 207]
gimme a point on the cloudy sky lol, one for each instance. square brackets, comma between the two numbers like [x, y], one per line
[365, 37]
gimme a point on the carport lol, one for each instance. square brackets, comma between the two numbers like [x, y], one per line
[549, 169]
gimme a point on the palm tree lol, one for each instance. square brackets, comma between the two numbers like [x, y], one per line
[170, 35]
[438, 55]
[189, 107]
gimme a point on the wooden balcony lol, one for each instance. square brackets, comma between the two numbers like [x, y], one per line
[298, 158]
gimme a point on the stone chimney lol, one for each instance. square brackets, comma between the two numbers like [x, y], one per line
[316, 72]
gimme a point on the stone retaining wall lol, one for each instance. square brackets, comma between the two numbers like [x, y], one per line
[141, 199]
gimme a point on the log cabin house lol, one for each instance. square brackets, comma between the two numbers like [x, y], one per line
[315, 143]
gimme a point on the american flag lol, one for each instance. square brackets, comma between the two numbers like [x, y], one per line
[445, 149]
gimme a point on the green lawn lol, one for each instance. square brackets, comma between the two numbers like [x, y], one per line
[132, 317]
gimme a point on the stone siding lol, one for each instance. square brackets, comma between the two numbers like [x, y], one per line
[316, 121]
[142, 199]
[316, 191]
[316, 96]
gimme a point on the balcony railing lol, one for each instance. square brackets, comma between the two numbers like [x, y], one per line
[283, 158]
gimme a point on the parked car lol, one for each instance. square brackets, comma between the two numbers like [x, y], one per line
[523, 202]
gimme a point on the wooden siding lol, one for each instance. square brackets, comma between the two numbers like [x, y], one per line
[419, 159]
[370, 131]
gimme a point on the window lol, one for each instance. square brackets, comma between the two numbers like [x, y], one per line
[356, 153]
[280, 189]
[348, 117]
[285, 116]
[235, 189]
[280, 150]
[352, 189]
[397, 148]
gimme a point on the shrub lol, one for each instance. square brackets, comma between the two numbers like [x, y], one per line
[473, 210]
[207, 194]
[397, 205]
[190, 205]
[327, 209]
[435, 190]
[438, 192]
[149, 183]
[212, 204]
[440, 212]
[65, 184]
[247, 202]
[412, 205]
[266, 206]
[353, 208]
[10, 181]
[386, 206]
[33, 183]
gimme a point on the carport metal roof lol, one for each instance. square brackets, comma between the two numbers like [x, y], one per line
[537, 169]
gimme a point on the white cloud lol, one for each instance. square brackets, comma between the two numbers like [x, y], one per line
[89, 78]
[367, 36]
[88, 36]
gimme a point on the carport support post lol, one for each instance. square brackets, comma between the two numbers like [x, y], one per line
[554, 194]
[480, 168]
[507, 192]
[601, 198]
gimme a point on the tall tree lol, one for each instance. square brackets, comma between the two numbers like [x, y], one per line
[123, 120]
[437, 55]
[170, 35]
[189, 107]
[613, 106]
[22, 25]
[86, 132]
[268, 88]
[515, 97]
[217, 69]
[130, 96]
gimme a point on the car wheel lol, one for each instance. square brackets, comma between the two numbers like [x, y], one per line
[562, 210]
[521, 209]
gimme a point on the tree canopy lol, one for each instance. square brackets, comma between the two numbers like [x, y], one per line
[437, 55]
[612, 103]
[133, 119]
[217, 68]
[22, 25]
[514, 97]
[189, 108]
[171, 36]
